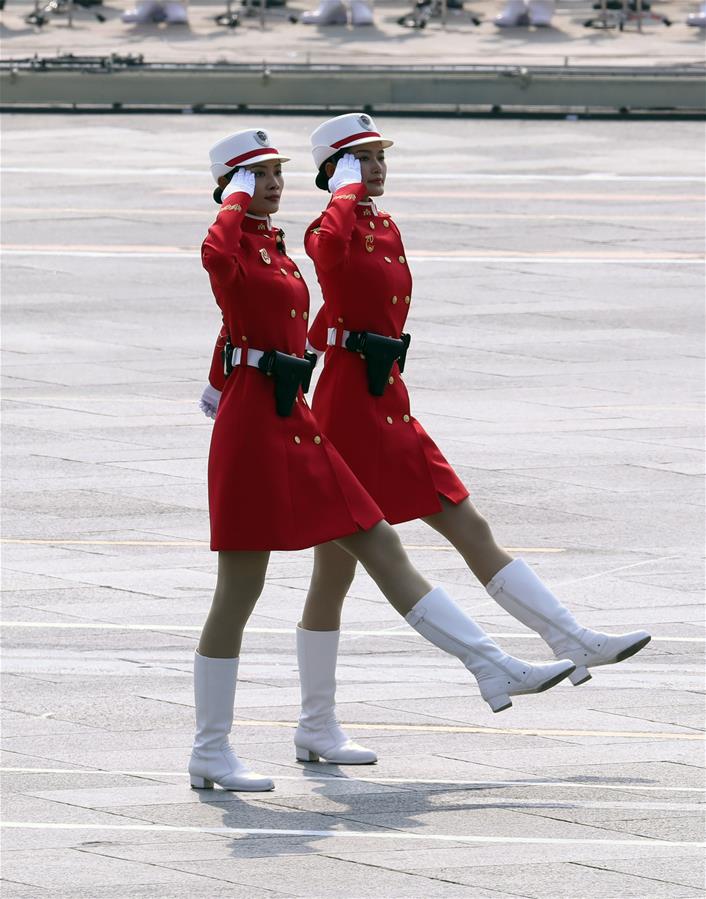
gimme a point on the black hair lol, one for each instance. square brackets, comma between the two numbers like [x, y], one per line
[322, 177]
[218, 192]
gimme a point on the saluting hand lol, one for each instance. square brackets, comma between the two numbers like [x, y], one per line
[347, 172]
[243, 181]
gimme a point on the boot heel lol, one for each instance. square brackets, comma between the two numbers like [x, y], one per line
[580, 675]
[499, 703]
[201, 783]
[306, 755]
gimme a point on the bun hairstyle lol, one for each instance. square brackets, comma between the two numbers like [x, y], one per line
[322, 177]
[218, 192]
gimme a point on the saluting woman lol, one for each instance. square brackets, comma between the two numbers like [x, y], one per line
[276, 482]
[362, 405]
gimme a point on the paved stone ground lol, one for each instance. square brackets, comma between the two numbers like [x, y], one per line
[559, 263]
[567, 43]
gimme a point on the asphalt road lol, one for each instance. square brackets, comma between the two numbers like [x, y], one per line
[557, 360]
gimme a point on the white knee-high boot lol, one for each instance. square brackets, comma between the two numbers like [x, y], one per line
[212, 757]
[500, 676]
[319, 734]
[521, 593]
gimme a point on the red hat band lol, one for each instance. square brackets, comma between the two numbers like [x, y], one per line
[351, 137]
[239, 160]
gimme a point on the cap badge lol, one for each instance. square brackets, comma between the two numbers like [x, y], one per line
[262, 138]
[265, 256]
[365, 121]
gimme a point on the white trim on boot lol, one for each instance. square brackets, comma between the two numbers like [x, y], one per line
[212, 757]
[319, 735]
[518, 590]
[500, 676]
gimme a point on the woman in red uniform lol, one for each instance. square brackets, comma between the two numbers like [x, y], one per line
[362, 405]
[276, 482]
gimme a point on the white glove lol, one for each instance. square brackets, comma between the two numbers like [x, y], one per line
[209, 401]
[242, 182]
[347, 172]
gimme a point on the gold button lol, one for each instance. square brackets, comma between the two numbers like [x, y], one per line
[284, 270]
[297, 439]
[405, 418]
[390, 380]
[389, 420]
[340, 321]
[305, 315]
[293, 313]
[394, 300]
[387, 259]
[385, 223]
[317, 440]
[408, 300]
[297, 275]
[401, 258]
[362, 355]
[372, 225]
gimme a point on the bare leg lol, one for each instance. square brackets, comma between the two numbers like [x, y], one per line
[319, 734]
[241, 577]
[381, 553]
[518, 590]
[466, 529]
[334, 569]
[437, 618]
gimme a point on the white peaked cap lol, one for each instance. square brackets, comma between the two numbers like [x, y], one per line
[242, 148]
[351, 130]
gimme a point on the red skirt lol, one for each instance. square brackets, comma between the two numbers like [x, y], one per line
[387, 449]
[277, 483]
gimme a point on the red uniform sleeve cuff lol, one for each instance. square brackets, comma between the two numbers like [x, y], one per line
[236, 202]
[350, 192]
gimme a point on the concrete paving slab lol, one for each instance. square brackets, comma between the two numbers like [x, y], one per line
[570, 408]
[87, 871]
[564, 880]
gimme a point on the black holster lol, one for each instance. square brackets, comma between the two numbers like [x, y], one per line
[380, 353]
[289, 374]
[227, 357]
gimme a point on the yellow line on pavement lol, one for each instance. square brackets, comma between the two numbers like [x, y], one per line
[489, 731]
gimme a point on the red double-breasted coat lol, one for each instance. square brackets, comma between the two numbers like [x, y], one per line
[273, 482]
[367, 286]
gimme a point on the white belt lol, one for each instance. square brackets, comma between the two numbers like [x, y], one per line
[331, 341]
[254, 356]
